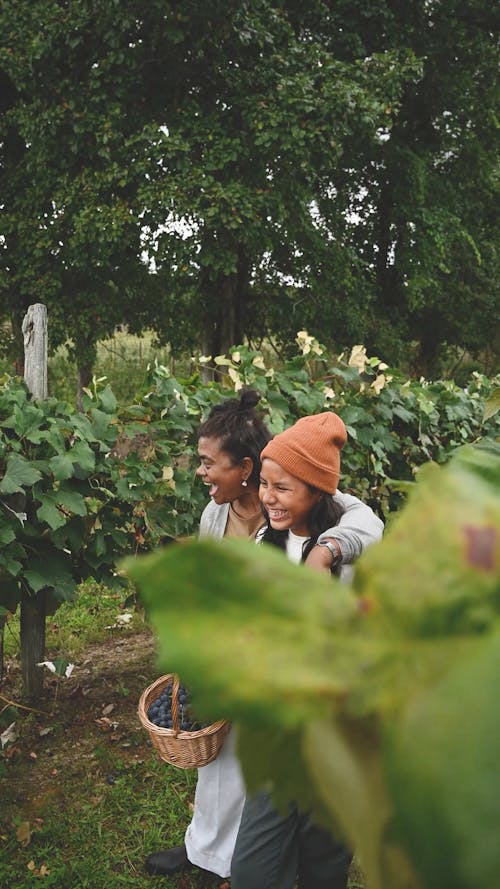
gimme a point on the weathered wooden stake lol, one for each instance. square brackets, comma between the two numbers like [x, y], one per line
[33, 605]
[35, 350]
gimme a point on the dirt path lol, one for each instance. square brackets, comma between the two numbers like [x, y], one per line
[82, 737]
[97, 704]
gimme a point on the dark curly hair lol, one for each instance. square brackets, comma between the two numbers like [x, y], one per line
[239, 429]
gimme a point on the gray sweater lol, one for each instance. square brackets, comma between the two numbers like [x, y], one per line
[358, 526]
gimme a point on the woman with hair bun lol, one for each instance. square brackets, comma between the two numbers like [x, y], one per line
[229, 446]
[230, 442]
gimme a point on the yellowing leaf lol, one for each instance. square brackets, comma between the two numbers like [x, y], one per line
[234, 375]
[378, 383]
[358, 358]
[258, 361]
[492, 405]
[9, 735]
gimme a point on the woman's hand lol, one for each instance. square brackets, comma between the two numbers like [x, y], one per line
[321, 558]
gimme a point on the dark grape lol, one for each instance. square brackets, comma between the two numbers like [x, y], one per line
[160, 711]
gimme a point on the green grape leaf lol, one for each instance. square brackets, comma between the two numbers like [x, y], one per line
[108, 400]
[19, 474]
[344, 763]
[491, 405]
[82, 454]
[436, 572]
[71, 500]
[62, 466]
[443, 769]
[7, 535]
[49, 513]
[373, 706]
[272, 638]
[58, 506]
[51, 570]
[9, 594]
[10, 565]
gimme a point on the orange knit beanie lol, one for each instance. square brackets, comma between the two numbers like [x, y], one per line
[310, 450]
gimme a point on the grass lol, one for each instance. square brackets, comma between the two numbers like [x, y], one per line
[84, 796]
[123, 359]
[87, 619]
[94, 828]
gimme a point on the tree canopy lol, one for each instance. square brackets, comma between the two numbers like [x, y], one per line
[228, 169]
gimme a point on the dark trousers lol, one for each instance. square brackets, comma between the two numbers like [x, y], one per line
[275, 851]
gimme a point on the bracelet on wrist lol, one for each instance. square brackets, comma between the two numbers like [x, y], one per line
[335, 551]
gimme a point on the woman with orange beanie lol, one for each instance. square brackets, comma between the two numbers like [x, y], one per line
[300, 471]
[231, 440]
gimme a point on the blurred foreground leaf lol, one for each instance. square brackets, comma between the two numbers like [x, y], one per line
[441, 759]
[374, 706]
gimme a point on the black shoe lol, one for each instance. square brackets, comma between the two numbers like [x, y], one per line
[168, 862]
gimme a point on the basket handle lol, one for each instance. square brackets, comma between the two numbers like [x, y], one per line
[175, 704]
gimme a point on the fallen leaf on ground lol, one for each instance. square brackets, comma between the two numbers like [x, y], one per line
[9, 735]
[107, 725]
[46, 731]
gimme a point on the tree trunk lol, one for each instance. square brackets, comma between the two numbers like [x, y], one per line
[426, 362]
[16, 320]
[2, 636]
[32, 643]
[83, 382]
[223, 324]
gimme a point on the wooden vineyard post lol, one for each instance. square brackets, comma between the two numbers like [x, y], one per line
[33, 605]
[35, 350]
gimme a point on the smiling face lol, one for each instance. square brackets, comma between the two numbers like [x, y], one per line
[287, 500]
[217, 470]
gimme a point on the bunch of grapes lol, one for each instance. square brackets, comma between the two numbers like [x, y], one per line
[160, 711]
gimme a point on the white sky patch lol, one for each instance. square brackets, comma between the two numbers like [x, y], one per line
[180, 227]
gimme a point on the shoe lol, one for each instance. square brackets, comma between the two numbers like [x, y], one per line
[171, 861]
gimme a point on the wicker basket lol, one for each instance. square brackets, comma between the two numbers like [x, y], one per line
[186, 750]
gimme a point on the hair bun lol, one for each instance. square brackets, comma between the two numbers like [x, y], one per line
[248, 399]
